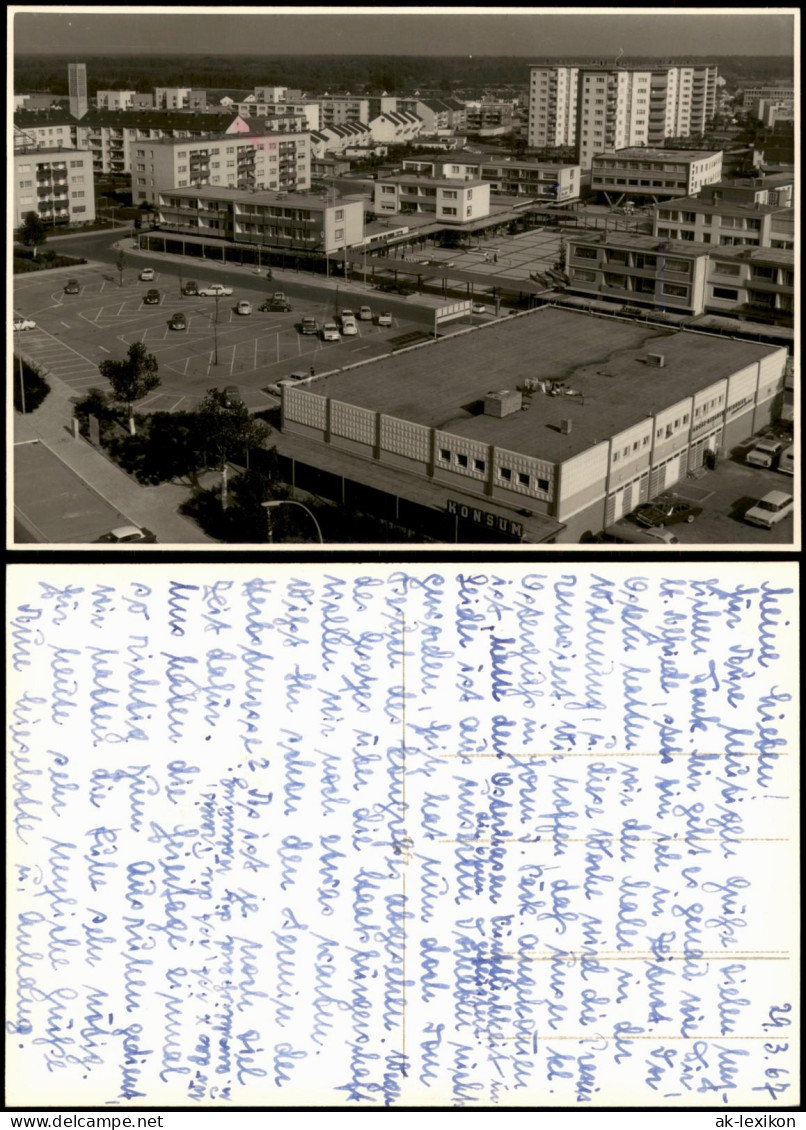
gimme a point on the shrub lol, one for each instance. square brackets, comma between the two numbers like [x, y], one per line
[35, 385]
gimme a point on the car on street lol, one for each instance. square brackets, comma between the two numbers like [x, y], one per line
[479, 308]
[385, 318]
[244, 307]
[152, 298]
[766, 453]
[309, 326]
[147, 274]
[128, 534]
[215, 290]
[71, 286]
[770, 509]
[787, 463]
[330, 332]
[232, 396]
[190, 289]
[665, 512]
[24, 324]
[365, 314]
[276, 388]
[178, 321]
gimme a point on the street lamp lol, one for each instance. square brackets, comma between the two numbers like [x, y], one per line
[22, 380]
[215, 332]
[291, 502]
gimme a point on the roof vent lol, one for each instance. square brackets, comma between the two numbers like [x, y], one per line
[502, 402]
[565, 427]
[656, 359]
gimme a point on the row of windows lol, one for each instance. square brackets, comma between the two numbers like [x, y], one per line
[627, 451]
[506, 473]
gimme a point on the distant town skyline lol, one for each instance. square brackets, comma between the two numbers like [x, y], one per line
[534, 33]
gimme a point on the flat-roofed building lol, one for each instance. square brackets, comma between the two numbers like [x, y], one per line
[556, 421]
[114, 99]
[453, 201]
[77, 83]
[264, 161]
[514, 176]
[725, 223]
[56, 183]
[654, 173]
[751, 94]
[172, 97]
[758, 283]
[269, 220]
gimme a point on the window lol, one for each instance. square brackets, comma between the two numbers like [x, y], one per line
[586, 252]
[461, 460]
[449, 194]
[339, 233]
[523, 479]
[505, 473]
[615, 457]
[445, 455]
[182, 169]
[339, 215]
[725, 292]
[542, 484]
[448, 211]
[479, 464]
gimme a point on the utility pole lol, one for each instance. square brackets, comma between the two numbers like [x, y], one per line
[215, 333]
[22, 381]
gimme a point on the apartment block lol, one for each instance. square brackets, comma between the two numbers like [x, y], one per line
[769, 112]
[758, 283]
[277, 161]
[653, 172]
[751, 94]
[453, 201]
[340, 110]
[56, 183]
[597, 107]
[726, 223]
[272, 220]
[543, 180]
[488, 117]
[292, 115]
[171, 97]
[77, 85]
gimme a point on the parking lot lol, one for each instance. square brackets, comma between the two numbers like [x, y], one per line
[75, 332]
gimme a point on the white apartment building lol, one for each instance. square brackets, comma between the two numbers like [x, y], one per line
[77, 85]
[277, 161]
[55, 183]
[597, 107]
[171, 97]
[306, 112]
[454, 201]
[342, 109]
[114, 99]
[395, 127]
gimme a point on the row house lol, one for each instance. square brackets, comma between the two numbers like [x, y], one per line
[396, 127]
[335, 139]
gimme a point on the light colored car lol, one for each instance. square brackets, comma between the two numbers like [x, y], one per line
[215, 290]
[348, 326]
[365, 314]
[244, 307]
[766, 453]
[347, 314]
[330, 332]
[147, 274]
[276, 388]
[24, 324]
[770, 509]
[787, 462]
[385, 319]
[479, 308]
[128, 534]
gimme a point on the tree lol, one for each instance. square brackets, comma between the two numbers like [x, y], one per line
[120, 263]
[133, 378]
[228, 429]
[33, 232]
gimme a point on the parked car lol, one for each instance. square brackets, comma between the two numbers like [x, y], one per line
[766, 453]
[232, 396]
[72, 287]
[190, 289]
[147, 274]
[665, 512]
[347, 314]
[178, 321]
[309, 326]
[277, 387]
[276, 304]
[128, 534]
[787, 461]
[365, 314]
[770, 509]
[330, 332]
[244, 307]
[628, 532]
[152, 298]
[215, 290]
[24, 324]
[348, 325]
[479, 308]
[385, 318]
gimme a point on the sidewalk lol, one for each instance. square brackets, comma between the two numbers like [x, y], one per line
[155, 507]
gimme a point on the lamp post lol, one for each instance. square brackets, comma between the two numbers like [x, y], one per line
[291, 502]
[22, 381]
[215, 332]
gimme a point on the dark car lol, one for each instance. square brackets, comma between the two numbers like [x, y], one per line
[665, 512]
[232, 396]
[72, 287]
[178, 321]
[128, 534]
[190, 289]
[152, 298]
[276, 306]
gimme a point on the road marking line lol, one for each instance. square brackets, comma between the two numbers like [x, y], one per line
[174, 407]
[254, 363]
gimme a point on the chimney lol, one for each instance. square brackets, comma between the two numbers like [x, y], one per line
[565, 427]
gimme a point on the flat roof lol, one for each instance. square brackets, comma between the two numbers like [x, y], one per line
[418, 178]
[637, 242]
[268, 196]
[722, 207]
[667, 154]
[440, 385]
[778, 255]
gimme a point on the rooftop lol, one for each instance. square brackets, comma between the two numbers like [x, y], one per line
[287, 199]
[441, 385]
[636, 242]
[722, 207]
[643, 152]
[128, 119]
[772, 255]
[419, 178]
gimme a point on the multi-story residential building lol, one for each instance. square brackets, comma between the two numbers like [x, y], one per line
[263, 161]
[679, 276]
[756, 282]
[726, 223]
[751, 94]
[395, 127]
[77, 85]
[766, 188]
[283, 221]
[548, 458]
[305, 114]
[488, 117]
[598, 107]
[341, 110]
[35, 101]
[55, 183]
[653, 172]
[769, 112]
[454, 201]
[172, 97]
[114, 99]
[543, 180]
[277, 94]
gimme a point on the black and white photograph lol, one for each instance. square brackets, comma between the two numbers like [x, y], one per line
[420, 277]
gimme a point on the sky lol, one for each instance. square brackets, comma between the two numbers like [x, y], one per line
[530, 32]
